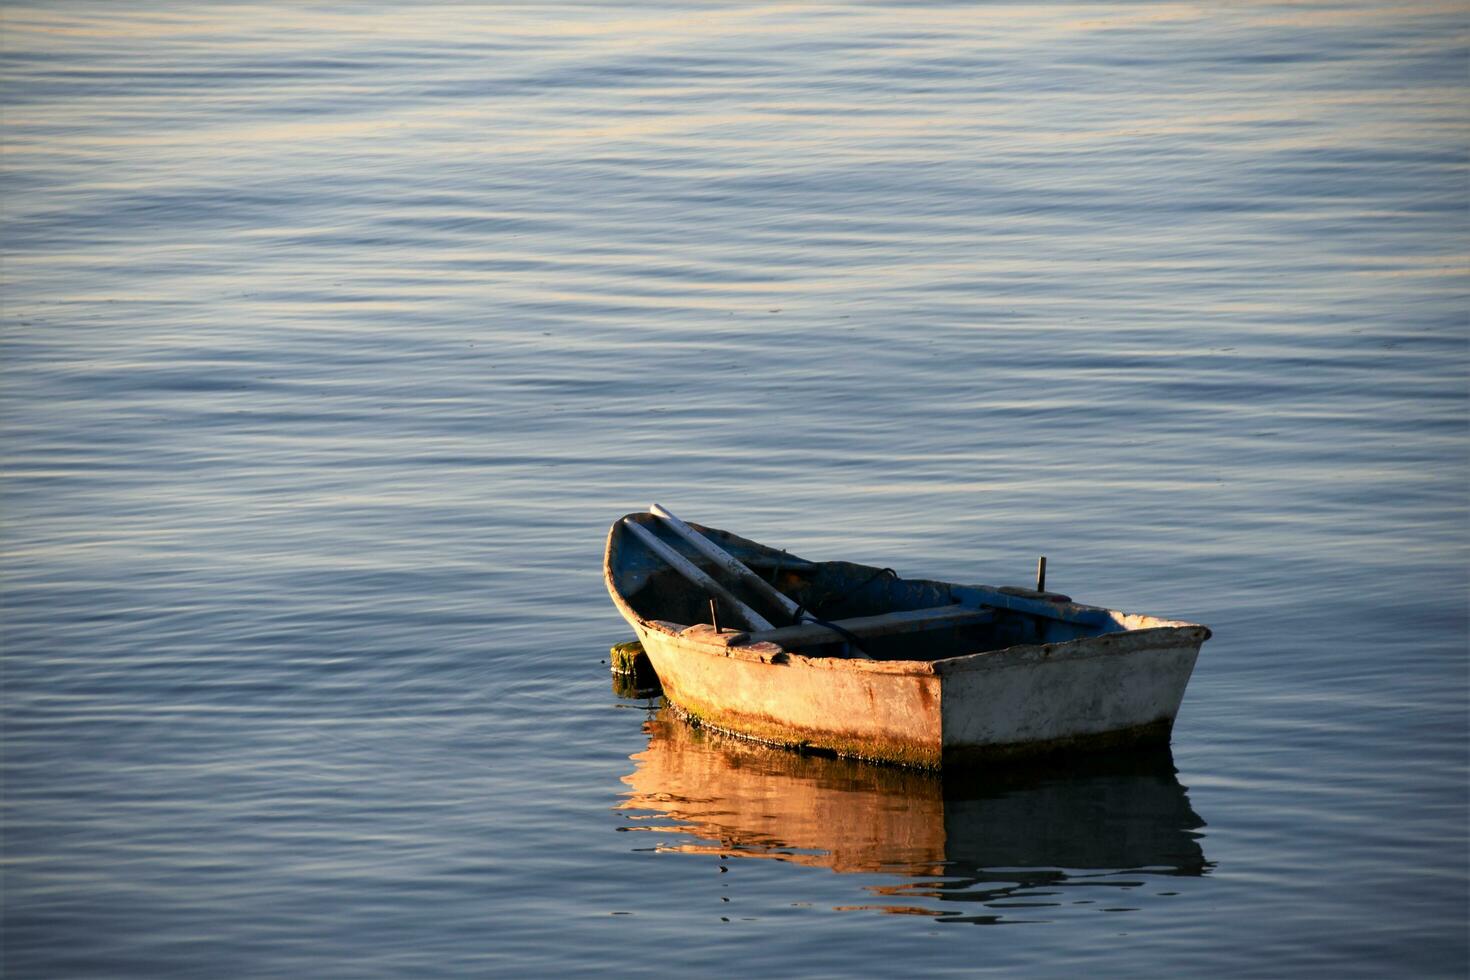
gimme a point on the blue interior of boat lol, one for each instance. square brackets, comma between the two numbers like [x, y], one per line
[836, 591]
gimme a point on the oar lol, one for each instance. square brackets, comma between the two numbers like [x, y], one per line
[695, 574]
[727, 561]
[737, 568]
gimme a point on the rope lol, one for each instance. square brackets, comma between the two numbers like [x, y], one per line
[801, 607]
[851, 638]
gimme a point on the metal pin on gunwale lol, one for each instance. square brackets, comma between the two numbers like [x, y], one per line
[1041, 574]
[714, 613]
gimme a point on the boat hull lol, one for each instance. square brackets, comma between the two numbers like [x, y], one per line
[860, 709]
[1087, 694]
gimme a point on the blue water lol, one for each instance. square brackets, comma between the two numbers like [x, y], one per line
[333, 339]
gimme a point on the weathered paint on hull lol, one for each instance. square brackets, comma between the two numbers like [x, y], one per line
[1087, 694]
[1096, 692]
[813, 703]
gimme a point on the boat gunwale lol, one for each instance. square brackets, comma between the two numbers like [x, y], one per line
[772, 653]
[699, 638]
[1018, 655]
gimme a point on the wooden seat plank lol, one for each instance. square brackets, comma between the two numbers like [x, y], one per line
[907, 621]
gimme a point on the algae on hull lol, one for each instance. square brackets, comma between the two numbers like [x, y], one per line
[625, 657]
[633, 674]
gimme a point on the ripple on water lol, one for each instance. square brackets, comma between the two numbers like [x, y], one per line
[334, 339]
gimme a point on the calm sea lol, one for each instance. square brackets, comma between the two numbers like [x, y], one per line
[335, 336]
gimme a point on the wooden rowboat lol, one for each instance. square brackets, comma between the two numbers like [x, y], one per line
[857, 661]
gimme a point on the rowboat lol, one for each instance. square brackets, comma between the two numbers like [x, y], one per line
[854, 660]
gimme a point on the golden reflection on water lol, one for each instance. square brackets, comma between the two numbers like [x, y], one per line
[1008, 840]
[741, 797]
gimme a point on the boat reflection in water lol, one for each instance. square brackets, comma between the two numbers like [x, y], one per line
[1008, 844]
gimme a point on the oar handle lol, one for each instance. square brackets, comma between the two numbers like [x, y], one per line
[695, 574]
[724, 560]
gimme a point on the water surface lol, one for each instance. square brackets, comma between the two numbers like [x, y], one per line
[332, 341]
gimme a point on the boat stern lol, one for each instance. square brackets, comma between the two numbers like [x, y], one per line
[1094, 693]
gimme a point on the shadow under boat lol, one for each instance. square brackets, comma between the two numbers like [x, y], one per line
[1009, 839]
